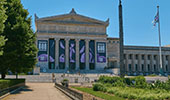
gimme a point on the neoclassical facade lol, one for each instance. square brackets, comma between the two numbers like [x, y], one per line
[73, 42]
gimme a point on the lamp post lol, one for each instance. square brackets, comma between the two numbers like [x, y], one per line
[121, 44]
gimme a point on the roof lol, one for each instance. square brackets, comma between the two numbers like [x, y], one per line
[72, 15]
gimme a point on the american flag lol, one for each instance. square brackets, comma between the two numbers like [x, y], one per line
[156, 19]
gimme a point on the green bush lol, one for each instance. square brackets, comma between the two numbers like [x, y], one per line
[5, 83]
[107, 79]
[99, 87]
[139, 82]
[65, 82]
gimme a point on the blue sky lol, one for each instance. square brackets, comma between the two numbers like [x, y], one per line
[137, 15]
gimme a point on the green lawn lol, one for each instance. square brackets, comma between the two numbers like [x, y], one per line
[98, 94]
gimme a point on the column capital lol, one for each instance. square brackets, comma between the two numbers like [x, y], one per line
[87, 40]
[67, 39]
[77, 39]
[57, 39]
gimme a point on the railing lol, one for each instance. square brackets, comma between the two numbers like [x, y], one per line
[9, 89]
[71, 93]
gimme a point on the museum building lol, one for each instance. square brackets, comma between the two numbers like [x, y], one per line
[73, 42]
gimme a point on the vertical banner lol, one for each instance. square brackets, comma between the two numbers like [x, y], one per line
[82, 54]
[101, 52]
[62, 54]
[92, 54]
[42, 50]
[51, 54]
[72, 54]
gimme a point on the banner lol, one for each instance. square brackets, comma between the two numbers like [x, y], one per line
[82, 55]
[62, 54]
[72, 54]
[92, 54]
[51, 54]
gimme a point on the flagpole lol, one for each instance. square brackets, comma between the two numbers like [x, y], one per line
[160, 51]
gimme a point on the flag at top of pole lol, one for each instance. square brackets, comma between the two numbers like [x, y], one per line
[156, 19]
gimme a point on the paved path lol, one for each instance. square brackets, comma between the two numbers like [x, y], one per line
[38, 91]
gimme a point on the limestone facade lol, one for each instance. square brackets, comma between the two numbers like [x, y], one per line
[89, 35]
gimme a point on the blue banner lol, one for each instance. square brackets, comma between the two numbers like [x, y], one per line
[72, 54]
[82, 55]
[62, 54]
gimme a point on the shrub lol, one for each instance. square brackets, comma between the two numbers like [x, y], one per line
[107, 79]
[65, 82]
[99, 87]
[139, 82]
[5, 83]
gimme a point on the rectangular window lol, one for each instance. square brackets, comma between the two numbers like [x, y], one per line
[136, 57]
[154, 57]
[42, 46]
[143, 57]
[136, 67]
[101, 47]
[149, 57]
[130, 67]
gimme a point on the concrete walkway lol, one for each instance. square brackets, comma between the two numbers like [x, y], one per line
[38, 91]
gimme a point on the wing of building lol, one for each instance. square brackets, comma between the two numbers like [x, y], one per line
[73, 42]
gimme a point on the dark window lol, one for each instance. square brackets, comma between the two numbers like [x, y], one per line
[154, 67]
[142, 67]
[148, 67]
[124, 56]
[136, 67]
[149, 57]
[166, 67]
[136, 57]
[143, 57]
[130, 56]
[167, 58]
[130, 67]
[154, 57]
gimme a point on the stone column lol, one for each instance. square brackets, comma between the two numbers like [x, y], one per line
[67, 53]
[133, 63]
[57, 53]
[164, 63]
[87, 54]
[95, 48]
[168, 63]
[48, 45]
[145, 63]
[152, 63]
[77, 54]
[139, 63]
[157, 63]
[126, 64]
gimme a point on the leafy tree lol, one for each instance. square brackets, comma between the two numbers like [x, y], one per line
[20, 49]
[2, 20]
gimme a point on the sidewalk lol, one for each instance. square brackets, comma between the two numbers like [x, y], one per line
[38, 91]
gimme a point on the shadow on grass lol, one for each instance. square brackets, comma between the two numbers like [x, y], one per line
[24, 89]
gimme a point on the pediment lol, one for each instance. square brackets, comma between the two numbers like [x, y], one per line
[72, 18]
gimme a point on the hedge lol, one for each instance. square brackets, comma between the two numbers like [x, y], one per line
[5, 83]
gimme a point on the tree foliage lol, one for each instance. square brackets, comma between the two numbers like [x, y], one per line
[20, 49]
[2, 20]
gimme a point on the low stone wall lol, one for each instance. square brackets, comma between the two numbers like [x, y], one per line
[69, 92]
[9, 89]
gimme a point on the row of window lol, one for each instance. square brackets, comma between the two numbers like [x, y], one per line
[113, 41]
[142, 67]
[148, 57]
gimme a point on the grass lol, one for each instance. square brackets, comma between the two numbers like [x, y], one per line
[98, 93]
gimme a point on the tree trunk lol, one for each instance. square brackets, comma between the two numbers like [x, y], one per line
[16, 75]
[3, 75]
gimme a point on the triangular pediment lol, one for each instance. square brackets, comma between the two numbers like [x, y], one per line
[72, 18]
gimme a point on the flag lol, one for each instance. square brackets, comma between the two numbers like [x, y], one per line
[156, 19]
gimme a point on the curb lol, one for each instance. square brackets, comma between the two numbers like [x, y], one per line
[3, 96]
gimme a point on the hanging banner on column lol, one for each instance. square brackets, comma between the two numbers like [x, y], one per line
[42, 53]
[51, 53]
[92, 54]
[101, 52]
[62, 54]
[72, 54]
[82, 54]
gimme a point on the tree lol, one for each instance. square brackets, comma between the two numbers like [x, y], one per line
[20, 49]
[2, 20]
